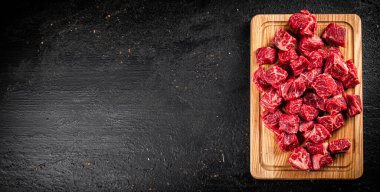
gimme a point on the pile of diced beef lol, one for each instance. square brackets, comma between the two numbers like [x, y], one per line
[304, 97]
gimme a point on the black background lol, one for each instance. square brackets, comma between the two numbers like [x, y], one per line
[146, 95]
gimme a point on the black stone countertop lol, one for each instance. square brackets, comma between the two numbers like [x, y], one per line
[143, 95]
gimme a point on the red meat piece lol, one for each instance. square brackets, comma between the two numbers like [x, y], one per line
[289, 123]
[299, 65]
[317, 148]
[309, 76]
[333, 50]
[271, 120]
[336, 67]
[309, 44]
[335, 34]
[324, 85]
[318, 134]
[354, 104]
[351, 80]
[315, 59]
[275, 76]
[259, 80]
[287, 142]
[308, 112]
[303, 23]
[320, 160]
[339, 146]
[283, 40]
[306, 126]
[339, 88]
[314, 100]
[292, 89]
[271, 100]
[324, 53]
[335, 104]
[338, 121]
[293, 106]
[286, 56]
[331, 122]
[265, 55]
[300, 159]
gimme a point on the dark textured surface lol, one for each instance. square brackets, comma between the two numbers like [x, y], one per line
[147, 96]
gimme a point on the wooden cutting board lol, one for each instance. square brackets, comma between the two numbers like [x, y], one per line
[267, 161]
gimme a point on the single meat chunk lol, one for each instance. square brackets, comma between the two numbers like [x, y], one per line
[289, 123]
[333, 50]
[338, 121]
[314, 100]
[335, 104]
[320, 160]
[299, 65]
[335, 34]
[309, 76]
[318, 134]
[292, 89]
[271, 119]
[293, 106]
[303, 23]
[259, 80]
[315, 59]
[317, 148]
[287, 142]
[306, 126]
[336, 67]
[271, 100]
[351, 79]
[286, 56]
[275, 76]
[324, 85]
[339, 88]
[339, 146]
[300, 159]
[283, 40]
[309, 44]
[354, 104]
[265, 55]
[308, 112]
[331, 122]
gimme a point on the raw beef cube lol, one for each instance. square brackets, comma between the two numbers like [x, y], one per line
[303, 23]
[333, 50]
[275, 76]
[317, 148]
[306, 126]
[336, 67]
[292, 89]
[318, 134]
[338, 121]
[351, 80]
[339, 146]
[335, 104]
[265, 55]
[324, 85]
[354, 104]
[335, 34]
[327, 122]
[324, 53]
[293, 106]
[271, 120]
[287, 142]
[286, 56]
[271, 100]
[300, 159]
[283, 40]
[289, 123]
[308, 112]
[309, 44]
[309, 76]
[339, 88]
[314, 100]
[299, 65]
[259, 80]
[320, 160]
[315, 59]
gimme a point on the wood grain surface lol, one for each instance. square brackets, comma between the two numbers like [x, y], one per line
[267, 161]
